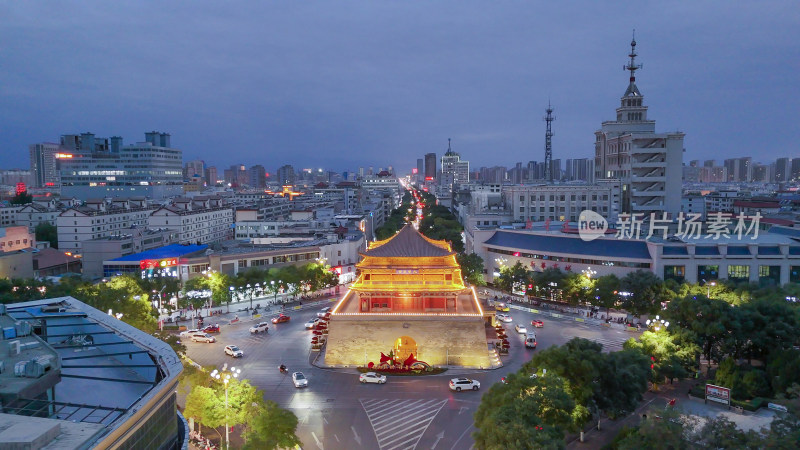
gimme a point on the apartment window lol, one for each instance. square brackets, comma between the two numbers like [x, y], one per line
[339, 253]
[794, 274]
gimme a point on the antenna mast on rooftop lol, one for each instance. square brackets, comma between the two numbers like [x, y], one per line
[548, 144]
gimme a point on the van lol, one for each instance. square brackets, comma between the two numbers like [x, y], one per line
[530, 340]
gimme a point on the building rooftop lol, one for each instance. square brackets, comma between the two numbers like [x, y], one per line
[550, 243]
[408, 242]
[466, 303]
[168, 251]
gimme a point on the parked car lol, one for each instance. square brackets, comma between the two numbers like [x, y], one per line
[537, 323]
[234, 351]
[503, 317]
[501, 307]
[189, 333]
[460, 384]
[280, 319]
[372, 377]
[521, 329]
[299, 380]
[212, 328]
[322, 312]
[203, 337]
[262, 327]
[312, 323]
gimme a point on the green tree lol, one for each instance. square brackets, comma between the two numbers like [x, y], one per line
[526, 413]
[22, 198]
[271, 427]
[510, 276]
[621, 381]
[720, 432]
[784, 369]
[669, 360]
[202, 404]
[646, 290]
[606, 289]
[471, 268]
[47, 232]
[662, 430]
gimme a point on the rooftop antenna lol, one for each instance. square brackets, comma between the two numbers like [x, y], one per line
[632, 66]
[548, 144]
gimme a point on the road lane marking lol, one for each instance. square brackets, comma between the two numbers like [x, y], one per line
[390, 422]
[358, 439]
[319, 444]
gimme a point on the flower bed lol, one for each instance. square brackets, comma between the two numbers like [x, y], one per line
[402, 372]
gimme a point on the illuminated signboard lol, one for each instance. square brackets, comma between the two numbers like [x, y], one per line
[414, 170]
[63, 156]
[150, 264]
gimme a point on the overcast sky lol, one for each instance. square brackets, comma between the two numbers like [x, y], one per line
[341, 84]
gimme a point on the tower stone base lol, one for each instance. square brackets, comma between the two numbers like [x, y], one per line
[356, 340]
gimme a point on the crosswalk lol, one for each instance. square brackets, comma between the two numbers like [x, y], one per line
[400, 423]
[610, 341]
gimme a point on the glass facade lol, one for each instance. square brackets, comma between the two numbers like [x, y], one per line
[707, 273]
[769, 274]
[159, 431]
[739, 273]
[677, 273]
[596, 262]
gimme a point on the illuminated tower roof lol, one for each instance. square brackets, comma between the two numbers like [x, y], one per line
[409, 243]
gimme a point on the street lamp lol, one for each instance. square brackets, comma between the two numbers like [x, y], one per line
[589, 272]
[225, 377]
[230, 297]
[657, 323]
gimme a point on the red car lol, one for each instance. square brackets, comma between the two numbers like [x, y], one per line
[212, 328]
[280, 319]
[537, 323]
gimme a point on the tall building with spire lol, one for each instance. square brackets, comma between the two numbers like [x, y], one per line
[454, 170]
[649, 164]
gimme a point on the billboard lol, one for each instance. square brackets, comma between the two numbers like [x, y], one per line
[718, 394]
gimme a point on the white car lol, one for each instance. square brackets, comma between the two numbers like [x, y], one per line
[203, 337]
[521, 329]
[462, 384]
[324, 311]
[503, 317]
[189, 333]
[312, 323]
[234, 351]
[262, 327]
[299, 380]
[372, 377]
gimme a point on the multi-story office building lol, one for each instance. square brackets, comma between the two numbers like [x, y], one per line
[648, 163]
[454, 170]
[13, 176]
[199, 220]
[132, 240]
[420, 169]
[43, 164]
[430, 166]
[98, 218]
[562, 202]
[152, 168]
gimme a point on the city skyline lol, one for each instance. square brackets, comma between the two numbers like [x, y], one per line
[345, 87]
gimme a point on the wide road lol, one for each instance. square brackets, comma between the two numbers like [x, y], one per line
[338, 412]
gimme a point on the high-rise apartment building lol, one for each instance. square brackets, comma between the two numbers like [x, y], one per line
[581, 169]
[420, 169]
[195, 169]
[257, 176]
[783, 169]
[43, 164]
[286, 175]
[430, 166]
[99, 167]
[649, 164]
[211, 176]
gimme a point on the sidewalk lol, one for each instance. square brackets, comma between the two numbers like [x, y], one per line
[227, 314]
[560, 310]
